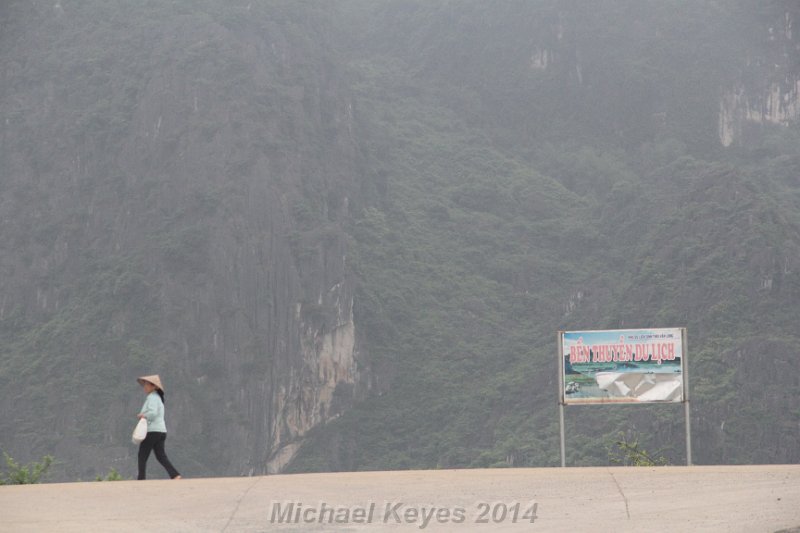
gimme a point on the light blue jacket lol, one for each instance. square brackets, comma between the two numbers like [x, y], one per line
[153, 410]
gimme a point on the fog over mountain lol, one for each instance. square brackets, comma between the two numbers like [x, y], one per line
[345, 233]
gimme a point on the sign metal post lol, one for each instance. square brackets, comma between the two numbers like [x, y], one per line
[561, 399]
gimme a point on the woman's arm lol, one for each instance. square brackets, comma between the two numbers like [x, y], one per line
[149, 409]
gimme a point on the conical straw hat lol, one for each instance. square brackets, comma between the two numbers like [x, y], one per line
[154, 379]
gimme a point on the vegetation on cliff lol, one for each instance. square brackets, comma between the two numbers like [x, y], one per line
[206, 188]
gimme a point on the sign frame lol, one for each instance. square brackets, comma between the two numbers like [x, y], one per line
[684, 399]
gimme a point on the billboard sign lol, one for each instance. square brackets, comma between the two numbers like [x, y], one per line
[622, 366]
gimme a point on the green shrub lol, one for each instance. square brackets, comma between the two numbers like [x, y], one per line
[627, 453]
[112, 475]
[26, 474]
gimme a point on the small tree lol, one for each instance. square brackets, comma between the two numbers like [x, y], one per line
[27, 474]
[112, 475]
[627, 453]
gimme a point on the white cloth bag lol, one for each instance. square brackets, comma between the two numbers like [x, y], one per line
[140, 431]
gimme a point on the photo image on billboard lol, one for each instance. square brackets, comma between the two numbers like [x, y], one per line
[622, 366]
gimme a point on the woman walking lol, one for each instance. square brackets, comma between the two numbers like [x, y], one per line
[153, 411]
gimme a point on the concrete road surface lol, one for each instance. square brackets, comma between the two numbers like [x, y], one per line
[680, 499]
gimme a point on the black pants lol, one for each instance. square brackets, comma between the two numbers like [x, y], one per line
[154, 441]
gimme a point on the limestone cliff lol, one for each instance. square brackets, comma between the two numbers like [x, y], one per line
[186, 171]
[768, 91]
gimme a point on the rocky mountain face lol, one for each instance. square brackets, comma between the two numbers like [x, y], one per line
[345, 233]
[549, 165]
[174, 182]
[768, 90]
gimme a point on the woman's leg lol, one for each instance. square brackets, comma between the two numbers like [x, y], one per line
[161, 455]
[145, 447]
